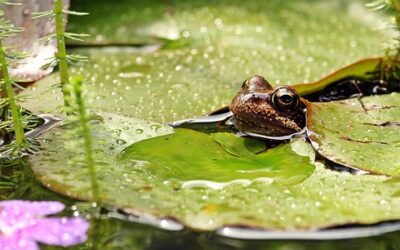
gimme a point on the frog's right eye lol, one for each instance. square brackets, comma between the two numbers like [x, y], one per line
[285, 98]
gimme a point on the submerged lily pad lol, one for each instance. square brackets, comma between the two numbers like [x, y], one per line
[323, 199]
[367, 139]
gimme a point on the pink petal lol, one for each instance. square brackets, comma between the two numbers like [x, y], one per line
[58, 231]
[14, 208]
[14, 212]
[14, 242]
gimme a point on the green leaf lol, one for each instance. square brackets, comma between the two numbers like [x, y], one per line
[238, 147]
[46, 39]
[10, 3]
[196, 78]
[378, 4]
[365, 69]
[344, 133]
[190, 155]
[75, 13]
[48, 13]
[158, 185]
[75, 36]
[204, 20]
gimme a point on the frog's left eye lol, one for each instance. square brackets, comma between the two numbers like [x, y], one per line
[285, 98]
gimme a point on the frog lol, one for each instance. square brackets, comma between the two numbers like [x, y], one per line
[260, 110]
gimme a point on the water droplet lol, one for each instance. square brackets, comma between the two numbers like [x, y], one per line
[120, 142]
[155, 127]
[178, 67]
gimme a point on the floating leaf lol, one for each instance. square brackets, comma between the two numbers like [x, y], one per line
[190, 155]
[238, 146]
[204, 75]
[361, 69]
[259, 27]
[323, 199]
[369, 140]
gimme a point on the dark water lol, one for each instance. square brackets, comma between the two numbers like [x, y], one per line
[352, 87]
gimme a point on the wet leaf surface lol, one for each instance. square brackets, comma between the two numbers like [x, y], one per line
[324, 198]
[189, 155]
[344, 133]
[365, 69]
[223, 49]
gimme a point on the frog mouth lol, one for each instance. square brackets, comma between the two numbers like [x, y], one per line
[259, 125]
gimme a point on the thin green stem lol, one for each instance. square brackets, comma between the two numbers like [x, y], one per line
[16, 115]
[84, 123]
[62, 52]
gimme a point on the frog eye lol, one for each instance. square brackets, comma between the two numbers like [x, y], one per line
[285, 98]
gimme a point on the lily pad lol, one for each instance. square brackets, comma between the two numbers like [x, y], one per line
[210, 22]
[324, 198]
[222, 50]
[189, 155]
[361, 69]
[367, 139]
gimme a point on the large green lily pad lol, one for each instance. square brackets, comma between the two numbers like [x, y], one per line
[347, 134]
[287, 42]
[323, 199]
[261, 24]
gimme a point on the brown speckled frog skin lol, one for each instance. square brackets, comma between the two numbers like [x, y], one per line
[260, 108]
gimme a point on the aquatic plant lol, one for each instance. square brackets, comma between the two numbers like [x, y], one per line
[79, 108]
[7, 29]
[74, 104]
[62, 59]
[391, 67]
[24, 223]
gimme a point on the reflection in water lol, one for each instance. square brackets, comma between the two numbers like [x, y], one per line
[116, 234]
